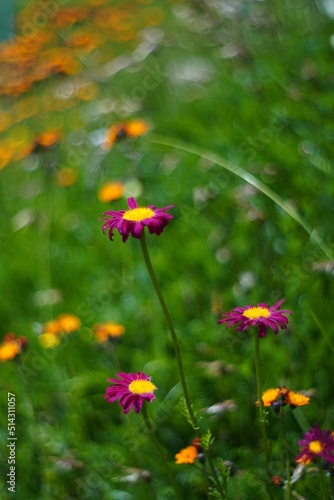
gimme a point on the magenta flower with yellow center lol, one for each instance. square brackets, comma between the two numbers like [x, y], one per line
[134, 220]
[131, 389]
[316, 444]
[260, 315]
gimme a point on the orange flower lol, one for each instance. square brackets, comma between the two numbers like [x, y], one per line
[104, 331]
[113, 133]
[58, 60]
[64, 323]
[51, 326]
[186, 455]
[12, 346]
[269, 396]
[297, 399]
[48, 138]
[70, 16]
[136, 128]
[83, 40]
[132, 129]
[68, 323]
[111, 191]
[9, 350]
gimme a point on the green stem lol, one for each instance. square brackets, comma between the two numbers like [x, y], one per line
[288, 470]
[259, 394]
[322, 479]
[178, 357]
[171, 328]
[159, 450]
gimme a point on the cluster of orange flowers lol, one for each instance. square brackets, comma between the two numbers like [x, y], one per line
[109, 330]
[131, 129]
[55, 328]
[281, 396]
[12, 346]
[12, 150]
[51, 41]
[277, 398]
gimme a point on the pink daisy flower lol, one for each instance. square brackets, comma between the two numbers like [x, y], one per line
[134, 220]
[130, 389]
[316, 443]
[260, 315]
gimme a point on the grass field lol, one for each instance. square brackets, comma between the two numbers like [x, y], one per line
[225, 110]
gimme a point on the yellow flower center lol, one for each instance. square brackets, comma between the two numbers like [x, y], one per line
[256, 312]
[315, 447]
[141, 387]
[138, 214]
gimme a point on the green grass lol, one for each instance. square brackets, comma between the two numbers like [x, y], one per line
[243, 147]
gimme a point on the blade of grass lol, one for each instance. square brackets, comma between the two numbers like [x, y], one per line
[247, 177]
[321, 328]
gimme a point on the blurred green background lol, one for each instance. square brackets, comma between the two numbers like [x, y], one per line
[251, 81]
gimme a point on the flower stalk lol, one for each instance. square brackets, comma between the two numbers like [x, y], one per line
[157, 446]
[321, 479]
[287, 457]
[178, 357]
[259, 393]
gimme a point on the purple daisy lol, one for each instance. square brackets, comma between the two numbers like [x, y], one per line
[260, 315]
[134, 220]
[130, 389]
[316, 443]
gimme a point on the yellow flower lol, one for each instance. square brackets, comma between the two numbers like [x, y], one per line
[111, 191]
[104, 331]
[49, 340]
[186, 455]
